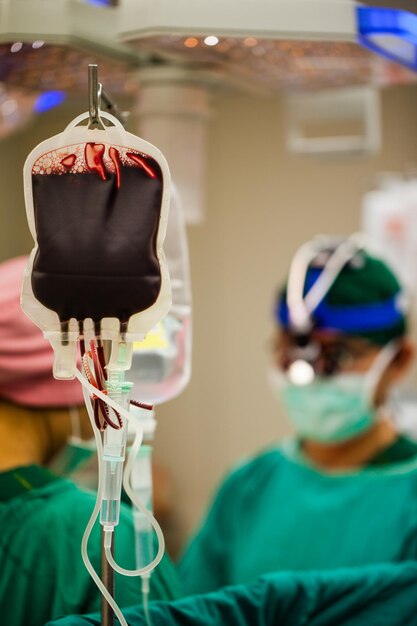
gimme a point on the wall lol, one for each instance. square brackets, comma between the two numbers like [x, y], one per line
[262, 203]
[14, 233]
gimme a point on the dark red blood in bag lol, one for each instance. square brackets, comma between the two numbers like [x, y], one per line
[97, 237]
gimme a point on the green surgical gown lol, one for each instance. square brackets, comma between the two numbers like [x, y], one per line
[42, 575]
[377, 595]
[277, 512]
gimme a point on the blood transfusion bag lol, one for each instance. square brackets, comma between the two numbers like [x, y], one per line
[161, 365]
[97, 205]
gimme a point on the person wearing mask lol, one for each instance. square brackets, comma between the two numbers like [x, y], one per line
[42, 515]
[343, 491]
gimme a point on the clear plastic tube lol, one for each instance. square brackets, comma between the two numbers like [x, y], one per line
[147, 514]
[94, 515]
[145, 598]
[143, 537]
[107, 399]
[141, 482]
[144, 571]
[114, 452]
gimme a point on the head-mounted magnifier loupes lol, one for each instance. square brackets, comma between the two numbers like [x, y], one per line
[306, 357]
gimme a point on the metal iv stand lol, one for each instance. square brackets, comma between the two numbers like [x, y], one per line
[96, 97]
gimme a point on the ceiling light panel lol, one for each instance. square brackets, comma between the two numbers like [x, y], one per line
[280, 65]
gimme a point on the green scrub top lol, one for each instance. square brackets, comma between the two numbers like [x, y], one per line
[278, 512]
[42, 575]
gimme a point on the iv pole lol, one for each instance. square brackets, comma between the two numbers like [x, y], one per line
[97, 96]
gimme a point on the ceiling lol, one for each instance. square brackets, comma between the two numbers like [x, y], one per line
[250, 60]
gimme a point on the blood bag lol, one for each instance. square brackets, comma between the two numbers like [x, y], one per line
[161, 365]
[97, 204]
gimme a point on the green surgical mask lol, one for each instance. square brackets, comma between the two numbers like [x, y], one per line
[335, 408]
[73, 457]
[77, 452]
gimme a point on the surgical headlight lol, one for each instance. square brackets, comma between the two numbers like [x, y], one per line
[330, 336]
[303, 363]
[299, 359]
[306, 357]
[301, 372]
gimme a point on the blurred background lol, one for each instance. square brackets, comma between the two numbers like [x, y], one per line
[235, 119]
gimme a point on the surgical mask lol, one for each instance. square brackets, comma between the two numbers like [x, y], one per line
[336, 408]
[73, 457]
[76, 453]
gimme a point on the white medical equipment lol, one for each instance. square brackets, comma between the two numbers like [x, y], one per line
[389, 217]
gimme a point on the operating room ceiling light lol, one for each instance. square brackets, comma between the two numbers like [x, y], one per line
[16, 109]
[390, 33]
[40, 76]
[269, 45]
[275, 65]
[49, 100]
[191, 42]
[281, 44]
[43, 67]
[98, 2]
[16, 47]
[211, 40]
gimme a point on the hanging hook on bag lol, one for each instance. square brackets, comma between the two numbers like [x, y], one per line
[97, 97]
[94, 94]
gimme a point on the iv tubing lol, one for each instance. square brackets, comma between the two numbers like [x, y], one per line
[142, 571]
[126, 483]
[94, 515]
[145, 599]
[96, 392]
[87, 387]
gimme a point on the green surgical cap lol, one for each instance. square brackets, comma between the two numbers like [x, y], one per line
[366, 280]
